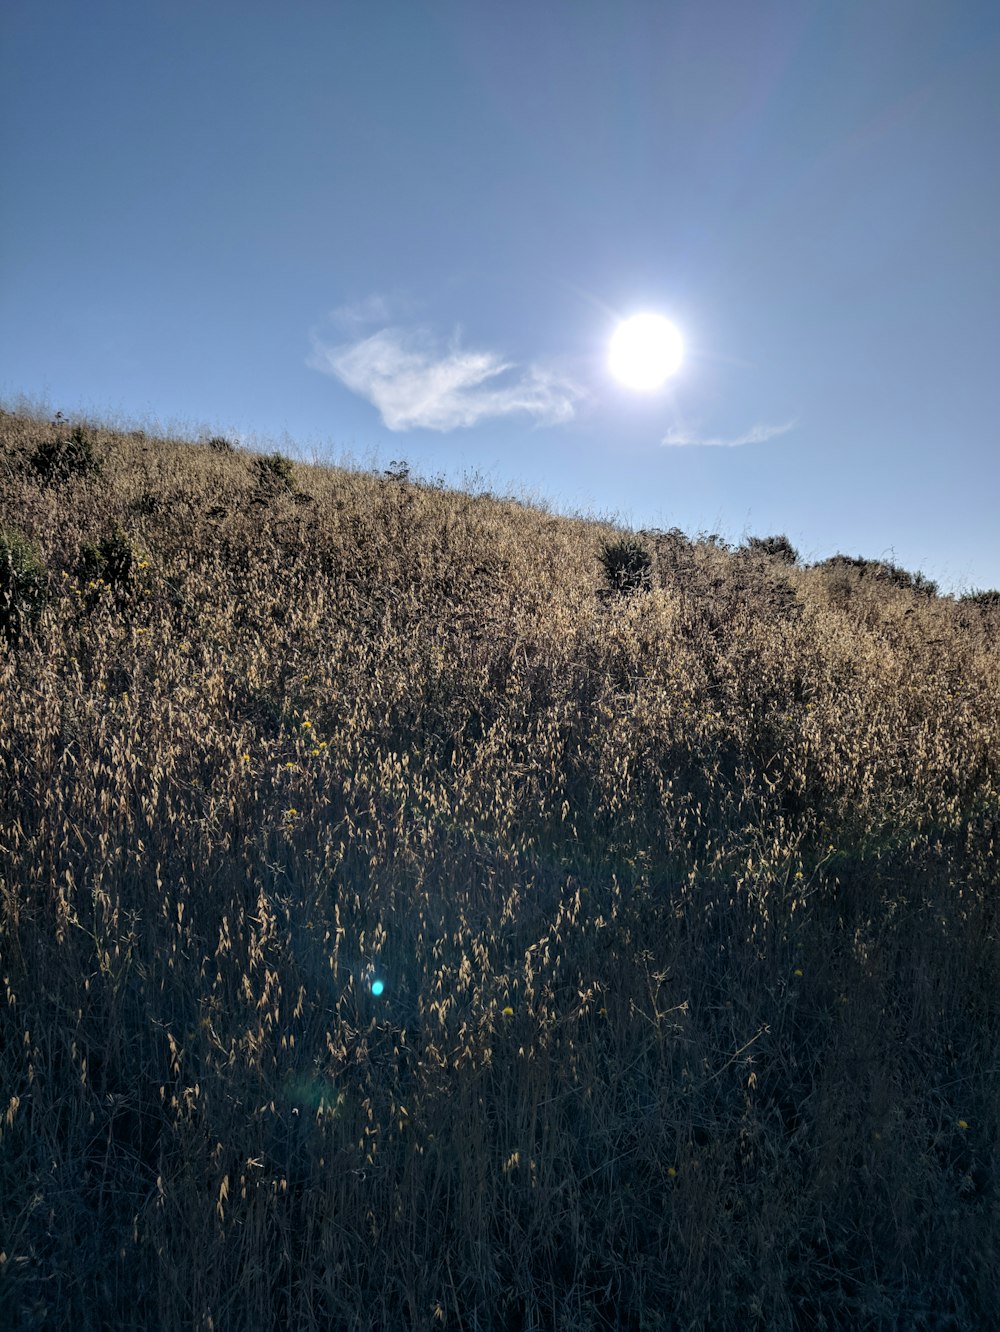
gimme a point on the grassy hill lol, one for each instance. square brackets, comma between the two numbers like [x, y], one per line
[682, 892]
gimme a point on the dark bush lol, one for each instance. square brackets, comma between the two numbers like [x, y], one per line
[23, 585]
[58, 459]
[111, 562]
[220, 444]
[714, 540]
[672, 539]
[147, 504]
[989, 600]
[774, 547]
[275, 474]
[627, 568]
[926, 587]
[880, 571]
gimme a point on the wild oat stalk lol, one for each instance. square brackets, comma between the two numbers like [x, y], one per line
[683, 901]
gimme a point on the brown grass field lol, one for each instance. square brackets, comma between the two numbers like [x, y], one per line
[684, 901]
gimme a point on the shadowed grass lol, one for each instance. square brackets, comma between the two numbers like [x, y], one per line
[684, 903]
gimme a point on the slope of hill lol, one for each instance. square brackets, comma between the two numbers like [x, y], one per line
[399, 930]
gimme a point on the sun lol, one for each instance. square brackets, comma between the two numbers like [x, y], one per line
[645, 351]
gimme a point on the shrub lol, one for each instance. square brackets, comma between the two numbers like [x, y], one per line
[880, 571]
[714, 540]
[111, 561]
[221, 444]
[926, 587]
[774, 547]
[989, 600]
[147, 504]
[398, 470]
[275, 474]
[627, 568]
[23, 585]
[59, 459]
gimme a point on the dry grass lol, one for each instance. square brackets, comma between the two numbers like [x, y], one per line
[685, 905]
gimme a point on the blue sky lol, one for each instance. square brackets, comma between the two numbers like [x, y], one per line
[407, 229]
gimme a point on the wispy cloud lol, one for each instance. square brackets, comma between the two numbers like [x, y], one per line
[374, 309]
[414, 384]
[758, 434]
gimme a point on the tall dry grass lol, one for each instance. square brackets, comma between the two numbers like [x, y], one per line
[685, 906]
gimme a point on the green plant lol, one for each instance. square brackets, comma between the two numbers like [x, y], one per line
[58, 459]
[147, 504]
[23, 585]
[398, 470]
[110, 561]
[627, 568]
[275, 474]
[880, 571]
[220, 445]
[989, 600]
[774, 547]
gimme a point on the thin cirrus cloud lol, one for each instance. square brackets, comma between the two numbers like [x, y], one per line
[758, 434]
[414, 384]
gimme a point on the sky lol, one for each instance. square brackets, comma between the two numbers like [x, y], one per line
[407, 230]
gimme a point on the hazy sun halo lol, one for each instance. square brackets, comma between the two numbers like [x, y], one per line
[645, 351]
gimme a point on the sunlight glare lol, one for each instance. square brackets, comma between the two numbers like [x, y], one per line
[645, 351]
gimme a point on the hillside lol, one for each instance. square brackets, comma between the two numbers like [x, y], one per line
[683, 901]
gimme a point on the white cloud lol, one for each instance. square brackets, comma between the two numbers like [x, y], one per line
[413, 384]
[758, 434]
[372, 310]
